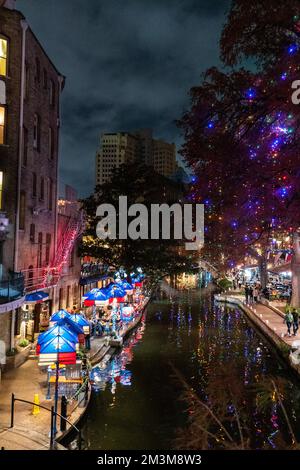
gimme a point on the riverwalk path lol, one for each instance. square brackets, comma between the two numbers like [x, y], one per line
[26, 381]
[31, 432]
[266, 315]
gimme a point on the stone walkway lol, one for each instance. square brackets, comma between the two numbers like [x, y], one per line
[271, 317]
[25, 382]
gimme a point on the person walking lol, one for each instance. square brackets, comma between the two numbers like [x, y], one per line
[255, 294]
[288, 320]
[251, 295]
[295, 321]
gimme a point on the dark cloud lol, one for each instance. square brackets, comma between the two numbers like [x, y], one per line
[129, 64]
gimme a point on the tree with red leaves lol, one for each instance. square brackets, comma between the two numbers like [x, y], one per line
[242, 136]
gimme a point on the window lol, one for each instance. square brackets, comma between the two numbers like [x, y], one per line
[60, 298]
[68, 296]
[45, 79]
[50, 194]
[42, 189]
[3, 56]
[74, 294]
[34, 184]
[37, 70]
[25, 146]
[48, 247]
[40, 250]
[2, 124]
[22, 210]
[52, 93]
[51, 143]
[1, 189]
[32, 233]
[37, 132]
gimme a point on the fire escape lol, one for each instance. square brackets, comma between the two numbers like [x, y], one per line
[42, 278]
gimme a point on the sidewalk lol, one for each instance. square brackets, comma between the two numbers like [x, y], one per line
[25, 382]
[270, 318]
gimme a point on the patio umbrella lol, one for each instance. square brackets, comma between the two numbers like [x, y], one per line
[125, 285]
[81, 321]
[36, 298]
[96, 297]
[112, 285]
[59, 315]
[56, 330]
[117, 293]
[91, 292]
[58, 349]
[72, 325]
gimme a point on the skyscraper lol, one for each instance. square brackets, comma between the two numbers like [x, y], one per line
[124, 147]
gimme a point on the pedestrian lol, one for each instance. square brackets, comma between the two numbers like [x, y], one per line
[251, 295]
[246, 293]
[295, 321]
[288, 320]
[255, 294]
[265, 292]
[88, 341]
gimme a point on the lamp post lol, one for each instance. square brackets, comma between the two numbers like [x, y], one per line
[56, 389]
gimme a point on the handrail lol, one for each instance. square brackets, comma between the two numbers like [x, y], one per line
[14, 399]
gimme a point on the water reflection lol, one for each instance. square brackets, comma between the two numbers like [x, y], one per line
[137, 404]
[115, 371]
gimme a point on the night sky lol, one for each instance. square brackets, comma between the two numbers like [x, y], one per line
[129, 64]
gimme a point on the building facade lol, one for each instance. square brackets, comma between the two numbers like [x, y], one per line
[116, 149]
[123, 147]
[164, 158]
[35, 242]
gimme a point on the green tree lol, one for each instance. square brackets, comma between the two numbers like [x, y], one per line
[141, 184]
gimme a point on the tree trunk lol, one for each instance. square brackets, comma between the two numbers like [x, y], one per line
[295, 265]
[262, 266]
[263, 271]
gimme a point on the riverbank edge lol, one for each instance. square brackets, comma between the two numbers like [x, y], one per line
[265, 329]
[96, 358]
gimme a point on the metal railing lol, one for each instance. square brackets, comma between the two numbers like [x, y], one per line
[48, 276]
[52, 421]
[12, 288]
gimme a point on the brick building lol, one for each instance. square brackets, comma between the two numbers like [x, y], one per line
[30, 247]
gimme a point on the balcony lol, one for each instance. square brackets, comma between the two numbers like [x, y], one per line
[11, 289]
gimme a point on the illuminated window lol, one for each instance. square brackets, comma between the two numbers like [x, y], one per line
[2, 124]
[1, 188]
[3, 56]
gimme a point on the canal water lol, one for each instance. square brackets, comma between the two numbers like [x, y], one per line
[187, 340]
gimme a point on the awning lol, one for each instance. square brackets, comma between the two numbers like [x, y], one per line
[36, 298]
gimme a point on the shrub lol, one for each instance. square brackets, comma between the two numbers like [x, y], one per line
[23, 343]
